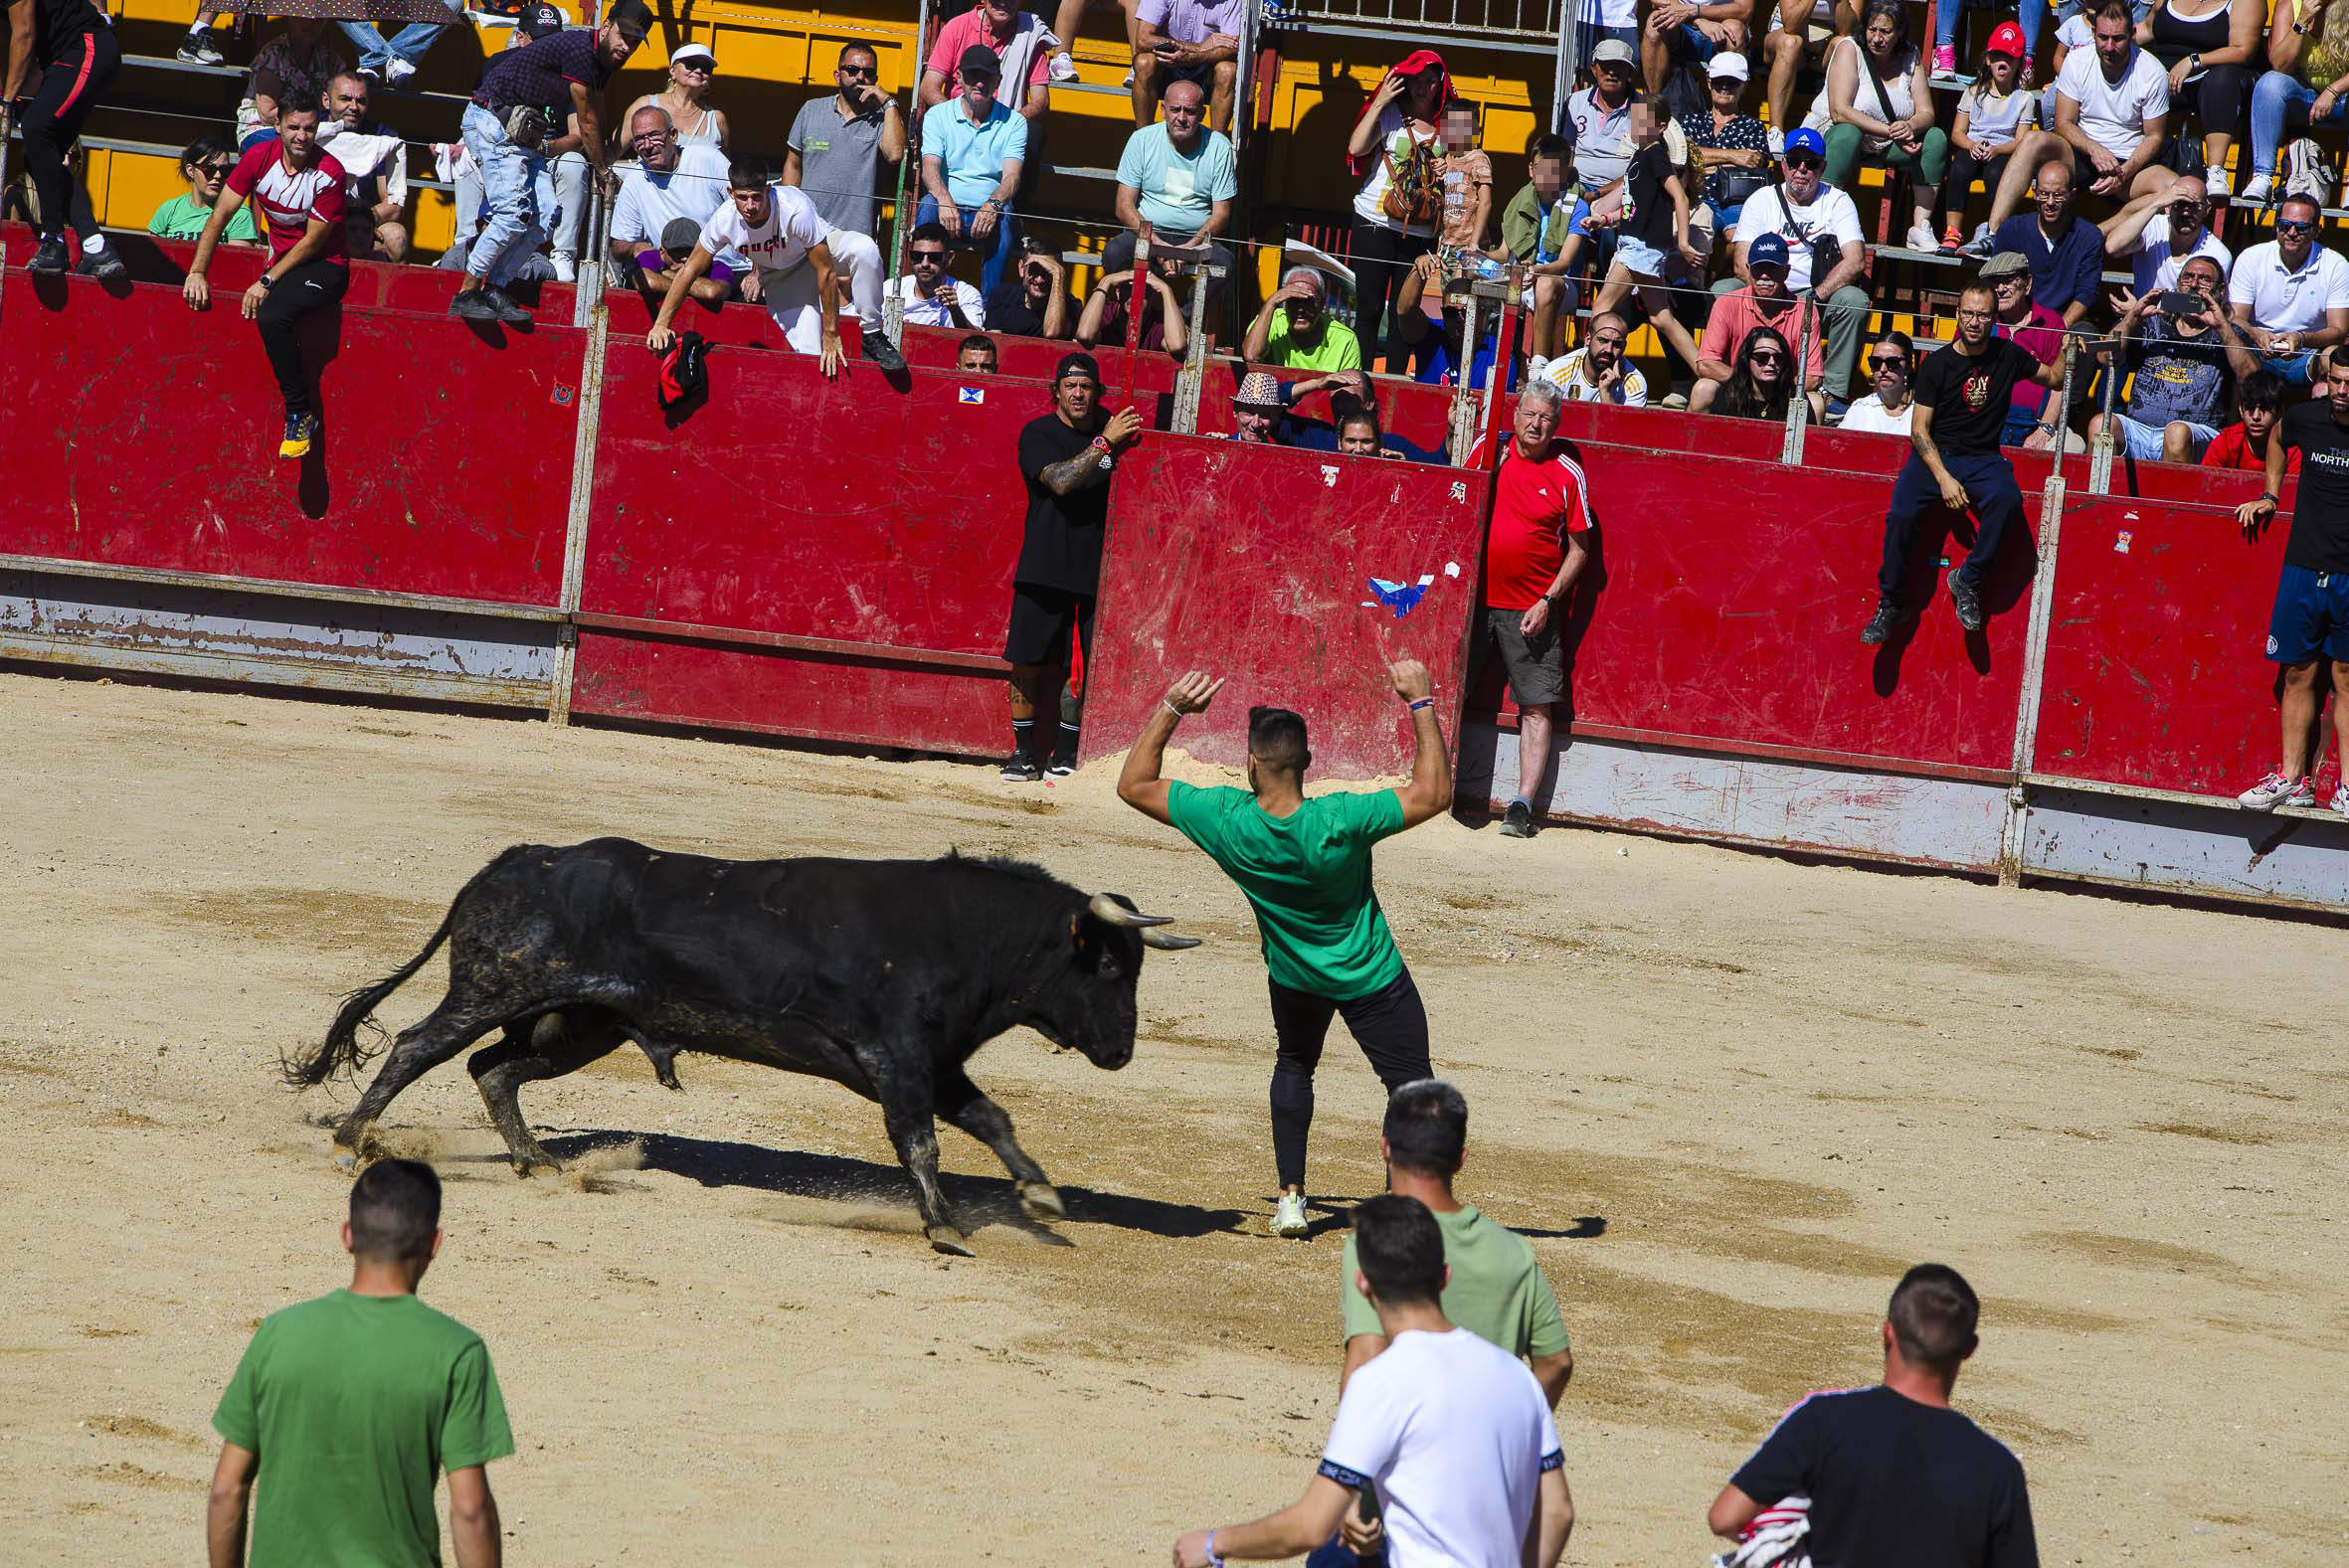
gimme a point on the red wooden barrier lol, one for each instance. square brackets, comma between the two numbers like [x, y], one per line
[1255, 563]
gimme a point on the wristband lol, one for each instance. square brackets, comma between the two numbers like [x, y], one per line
[1214, 1560]
[1170, 708]
[1424, 702]
[2270, 495]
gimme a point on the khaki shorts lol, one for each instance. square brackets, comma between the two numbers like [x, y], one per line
[1536, 666]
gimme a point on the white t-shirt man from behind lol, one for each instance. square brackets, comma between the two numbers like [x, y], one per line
[1455, 1431]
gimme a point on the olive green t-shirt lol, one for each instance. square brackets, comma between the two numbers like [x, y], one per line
[1308, 877]
[355, 1405]
[1497, 1291]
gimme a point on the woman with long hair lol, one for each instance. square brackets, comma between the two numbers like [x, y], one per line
[1878, 101]
[1761, 383]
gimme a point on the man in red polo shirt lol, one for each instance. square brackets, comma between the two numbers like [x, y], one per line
[300, 190]
[1534, 552]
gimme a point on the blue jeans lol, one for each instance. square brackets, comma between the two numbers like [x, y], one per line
[410, 42]
[2032, 15]
[2273, 101]
[990, 268]
[514, 221]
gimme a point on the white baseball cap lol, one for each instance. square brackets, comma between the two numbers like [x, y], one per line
[689, 51]
[1728, 63]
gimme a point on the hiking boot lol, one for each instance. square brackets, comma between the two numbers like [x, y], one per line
[1879, 626]
[2276, 789]
[1968, 600]
[473, 304]
[1518, 820]
[881, 351]
[1020, 767]
[301, 430]
[49, 256]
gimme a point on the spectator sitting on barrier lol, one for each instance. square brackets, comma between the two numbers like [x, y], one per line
[2112, 107]
[1824, 256]
[1534, 553]
[2065, 252]
[1761, 383]
[1453, 1428]
[1438, 361]
[1889, 408]
[1878, 102]
[1963, 392]
[1599, 371]
[1895, 1474]
[838, 143]
[300, 190]
[2161, 231]
[373, 163]
[932, 295]
[793, 264]
[1535, 232]
[2259, 397]
[1035, 302]
[348, 1406]
[670, 184]
[688, 101]
[2036, 416]
[972, 152]
[2182, 367]
[1176, 183]
[534, 104]
[976, 355]
[1258, 412]
[1996, 116]
[203, 163]
[1294, 329]
[561, 184]
[62, 56]
[1351, 392]
[1067, 458]
[1193, 40]
[292, 67]
[1104, 317]
[2289, 294]
[1020, 46]
[1764, 303]
[2311, 621]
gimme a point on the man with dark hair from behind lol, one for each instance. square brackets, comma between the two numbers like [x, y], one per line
[1894, 1475]
[1452, 1429]
[1305, 869]
[346, 1408]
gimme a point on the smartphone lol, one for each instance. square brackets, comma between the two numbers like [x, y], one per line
[2177, 302]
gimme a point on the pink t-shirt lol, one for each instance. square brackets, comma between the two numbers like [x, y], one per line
[1737, 313]
[971, 28]
[2041, 337]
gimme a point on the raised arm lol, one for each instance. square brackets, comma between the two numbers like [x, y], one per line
[1138, 783]
[1429, 793]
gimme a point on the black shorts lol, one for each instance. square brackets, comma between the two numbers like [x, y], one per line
[1042, 620]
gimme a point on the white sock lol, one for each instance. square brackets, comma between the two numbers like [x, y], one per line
[92, 244]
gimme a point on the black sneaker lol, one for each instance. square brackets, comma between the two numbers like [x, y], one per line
[475, 305]
[1518, 820]
[196, 48]
[504, 307]
[49, 256]
[1020, 767]
[1879, 626]
[1061, 766]
[882, 352]
[1968, 600]
[107, 262]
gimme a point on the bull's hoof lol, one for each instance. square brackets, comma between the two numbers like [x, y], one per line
[946, 1238]
[1041, 1202]
[345, 1160]
[539, 1164]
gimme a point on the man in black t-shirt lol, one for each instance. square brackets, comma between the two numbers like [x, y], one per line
[1035, 302]
[1066, 457]
[61, 55]
[1894, 1475]
[2311, 621]
[1962, 394]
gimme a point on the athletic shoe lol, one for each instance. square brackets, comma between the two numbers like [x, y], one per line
[1064, 67]
[566, 268]
[1968, 600]
[2218, 185]
[396, 73]
[1288, 1217]
[1945, 60]
[503, 305]
[1518, 820]
[2339, 803]
[301, 430]
[1129, 82]
[2276, 789]
[1982, 246]
[1536, 367]
[196, 48]
[881, 351]
[2259, 189]
[102, 264]
[1953, 238]
[474, 304]
[1020, 767]
[1879, 626]
[372, 76]
[1777, 143]
[49, 256]
[1920, 237]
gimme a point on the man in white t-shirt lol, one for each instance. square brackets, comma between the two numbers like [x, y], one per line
[671, 181]
[1454, 1430]
[1819, 225]
[789, 251]
[2290, 296]
[2112, 105]
[934, 296]
[2162, 231]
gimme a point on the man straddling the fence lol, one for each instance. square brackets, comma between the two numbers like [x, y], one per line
[515, 124]
[1963, 392]
[300, 190]
[2311, 618]
[61, 55]
[1304, 868]
[347, 1407]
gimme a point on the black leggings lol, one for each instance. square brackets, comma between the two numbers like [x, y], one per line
[2219, 101]
[1963, 168]
[1382, 258]
[68, 91]
[1390, 1024]
[302, 291]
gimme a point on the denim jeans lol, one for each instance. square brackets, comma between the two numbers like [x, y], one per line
[514, 221]
[990, 268]
[2273, 101]
[410, 42]
[562, 196]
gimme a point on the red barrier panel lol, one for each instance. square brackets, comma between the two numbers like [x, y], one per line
[1418, 413]
[1255, 563]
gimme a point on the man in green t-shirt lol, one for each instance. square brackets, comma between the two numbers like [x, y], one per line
[347, 1407]
[205, 164]
[1295, 328]
[1305, 869]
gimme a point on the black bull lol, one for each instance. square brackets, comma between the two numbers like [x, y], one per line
[880, 974]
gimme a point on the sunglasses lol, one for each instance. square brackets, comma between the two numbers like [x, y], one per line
[1767, 356]
[218, 171]
[1894, 362]
[699, 67]
[1803, 160]
[2010, 280]
[2294, 224]
[862, 73]
[932, 256]
[1610, 68]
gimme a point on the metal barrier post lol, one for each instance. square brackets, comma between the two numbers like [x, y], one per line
[591, 260]
[2100, 451]
[2035, 664]
[1189, 384]
[593, 310]
[892, 304]
[1799, 407]
[1463, 419]
[1568, 47]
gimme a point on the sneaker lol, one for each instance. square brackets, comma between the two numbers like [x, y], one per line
[1020, 767]
[2276, 789]
[1536, 367]
[1064, 67]
[1777, 142]
[2218, 185]
[1945, 60]
[103, 262]
[2029, 77]
[1982, 246]
[1287, 1216]
[301, 430]
[1920, 237]
[566, 268]
[501, 305]
[475, 305]
[1061, 766]
[2259, 189]
[1968, 600]
[396, 73]
[50, 255]
[1129, 82]
[196, 48]
[1518, 820]
[372, 76]
[1879, 626]
[1953, 238]
[881, 351]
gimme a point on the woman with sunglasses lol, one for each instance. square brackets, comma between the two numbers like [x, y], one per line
[1761, 383]
[205, 164]
[1889, 407]
[692, 68]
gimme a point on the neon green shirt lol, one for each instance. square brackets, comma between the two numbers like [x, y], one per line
[182, 219]
[1336, 348]
[1308, 878]
[1497, 1291]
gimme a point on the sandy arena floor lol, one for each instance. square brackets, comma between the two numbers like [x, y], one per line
[1732, 1098]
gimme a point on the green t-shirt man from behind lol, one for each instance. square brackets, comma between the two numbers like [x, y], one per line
[346, 1409]
[1304, 868]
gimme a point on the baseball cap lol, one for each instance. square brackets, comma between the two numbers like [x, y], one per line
[632, 16]
[1804, 139]
[982, 61]
[700, 52]
[1767, 250]
[679, 235]
[1729, 64]
[1077, 365]
[540, 21]
[2007, 38]
[1611, 52]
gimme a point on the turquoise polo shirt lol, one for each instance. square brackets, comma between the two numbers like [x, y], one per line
[971, 157]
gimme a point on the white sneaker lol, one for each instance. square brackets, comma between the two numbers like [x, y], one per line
[1536, 367]
[1921, 237]
[1777, 140]
[1288, 1218]
[2218, 185]
[2339, 803]
[397, 73]
[1064, 67]
[2259, 188]
[1129, 82]
[2276, 789]
[566, 268]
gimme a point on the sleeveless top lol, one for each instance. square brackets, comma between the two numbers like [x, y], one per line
[1899, 92]
[2175, 37]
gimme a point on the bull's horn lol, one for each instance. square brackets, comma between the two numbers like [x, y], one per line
[1168, 942]
[1110, 912]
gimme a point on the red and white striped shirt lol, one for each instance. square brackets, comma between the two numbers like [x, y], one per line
[288, 199]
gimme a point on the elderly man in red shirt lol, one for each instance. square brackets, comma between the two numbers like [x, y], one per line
[1534, 552]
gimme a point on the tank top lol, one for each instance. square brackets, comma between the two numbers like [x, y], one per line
[704, 132]
[2175, 37]
[1898, 93]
